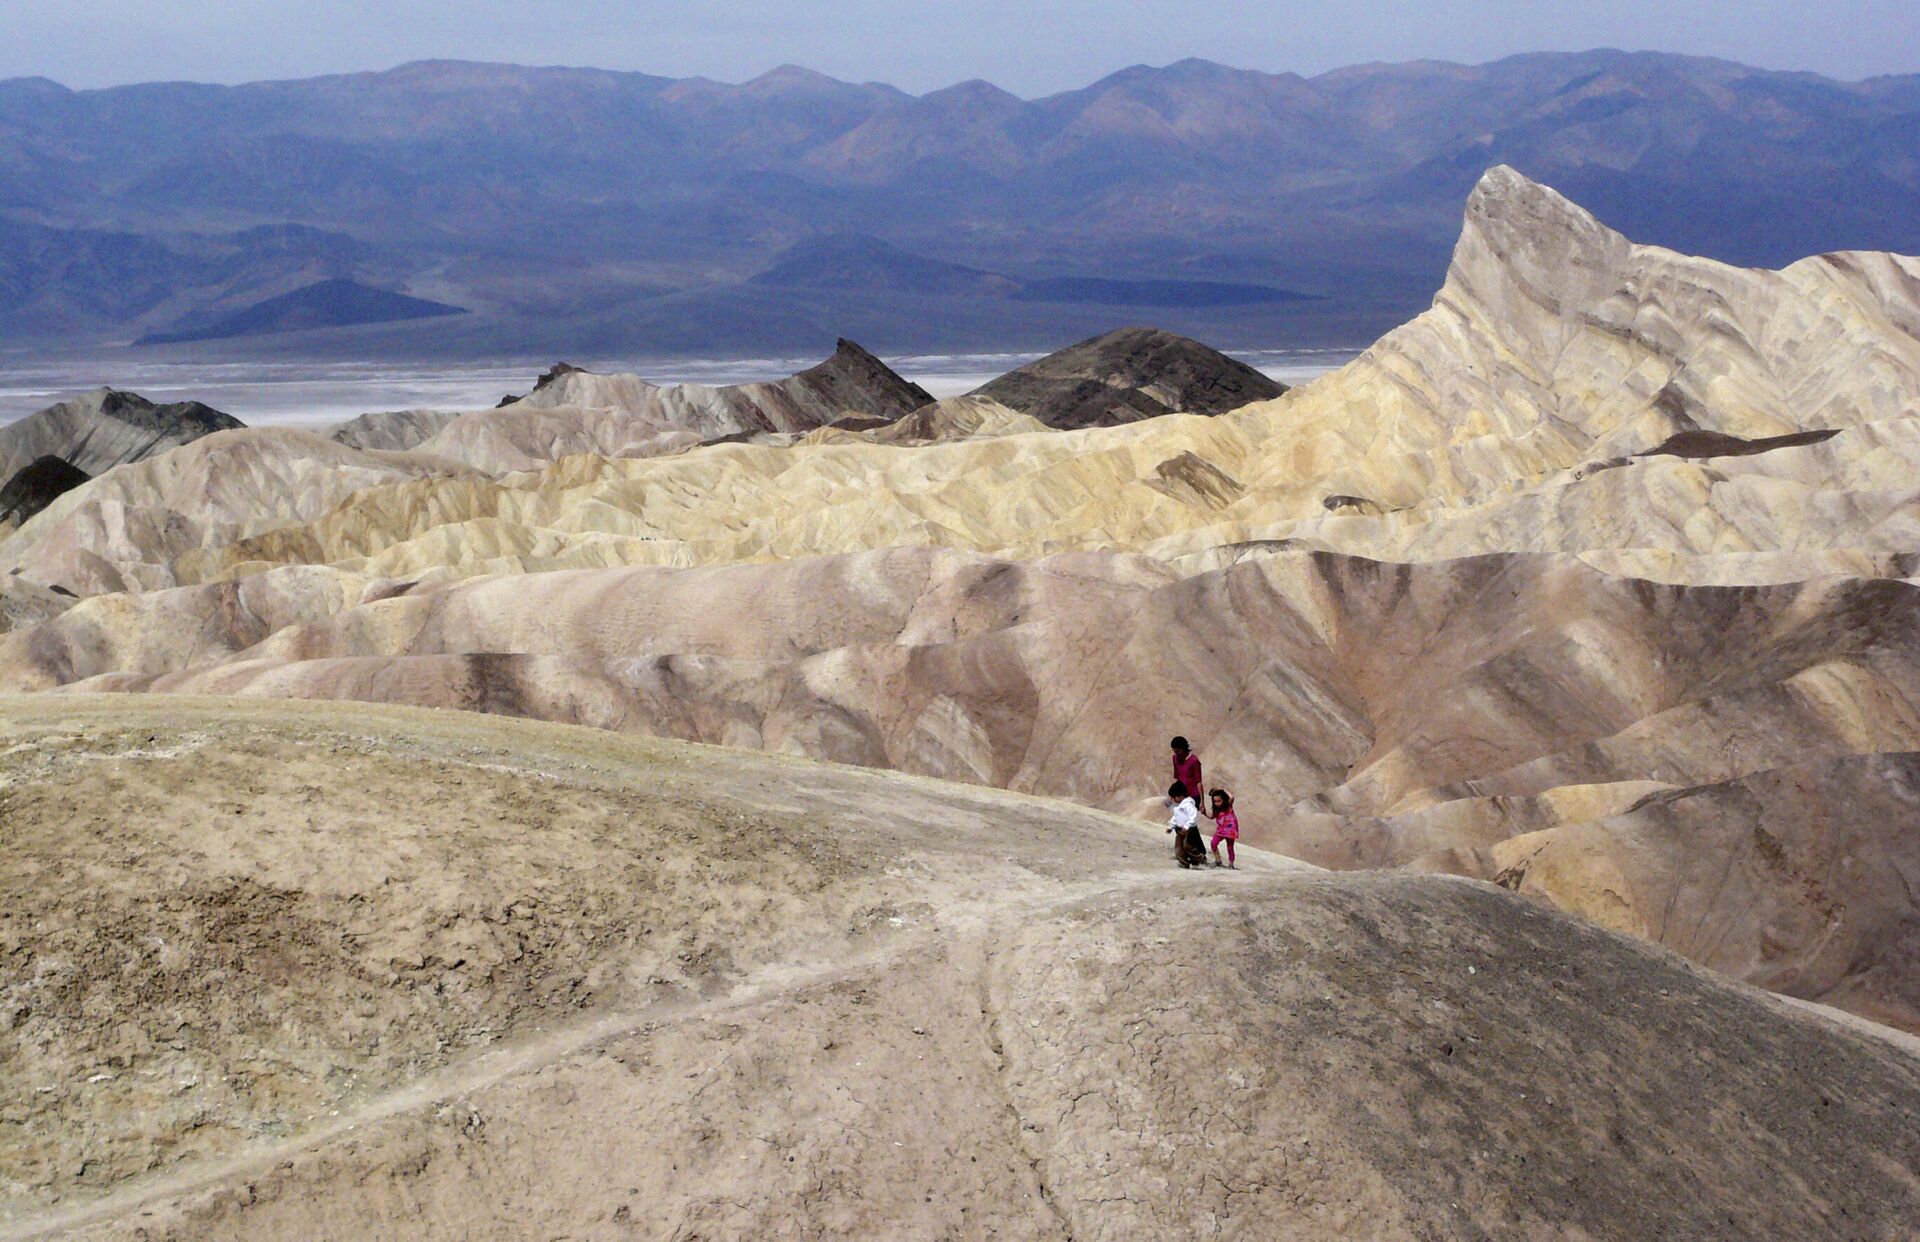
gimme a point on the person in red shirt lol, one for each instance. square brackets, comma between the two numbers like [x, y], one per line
[1186, 770]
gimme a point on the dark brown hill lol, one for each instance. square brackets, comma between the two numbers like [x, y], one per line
[104, 428]
[1127, 375]
[35, 486]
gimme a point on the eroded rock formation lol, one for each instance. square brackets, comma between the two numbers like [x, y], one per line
[1593, 578]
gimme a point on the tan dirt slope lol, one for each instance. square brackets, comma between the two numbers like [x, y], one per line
[1456, 716]
[295, 970]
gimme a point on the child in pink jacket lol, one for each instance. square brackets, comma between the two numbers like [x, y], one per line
[1226, 825]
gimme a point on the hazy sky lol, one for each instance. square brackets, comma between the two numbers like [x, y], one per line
[1028, 46]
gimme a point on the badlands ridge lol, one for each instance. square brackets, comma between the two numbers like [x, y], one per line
[1597, 580]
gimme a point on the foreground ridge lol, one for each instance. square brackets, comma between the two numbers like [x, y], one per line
[721, 992]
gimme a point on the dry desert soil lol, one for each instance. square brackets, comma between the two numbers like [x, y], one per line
[280, 969]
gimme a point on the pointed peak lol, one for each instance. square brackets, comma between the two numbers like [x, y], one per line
[871, 379]
[793, 73]
[115, 403]
[38, 86]
[177, 418]
[851, 349]
[790, 79]
[1505, 191]
[555, 372]
[1531, 232]
[973, 91]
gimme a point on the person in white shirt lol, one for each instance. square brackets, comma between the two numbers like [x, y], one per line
[1184, 824]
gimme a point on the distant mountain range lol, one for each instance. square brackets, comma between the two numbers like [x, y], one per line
[585, 210]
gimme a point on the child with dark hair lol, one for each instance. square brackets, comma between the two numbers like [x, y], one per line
[1184, 824]
[1186, 770]
[1226, 825]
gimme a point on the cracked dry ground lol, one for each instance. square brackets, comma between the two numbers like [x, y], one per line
[315, 970]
